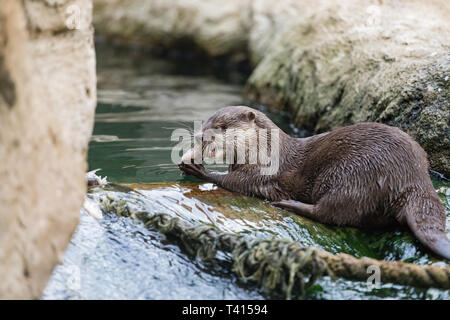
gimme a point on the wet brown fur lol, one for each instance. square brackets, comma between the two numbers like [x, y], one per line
[363, 175]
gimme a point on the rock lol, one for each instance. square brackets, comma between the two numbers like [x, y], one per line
[388, 63]
[195, 202]
[47, 106]
[214, 27]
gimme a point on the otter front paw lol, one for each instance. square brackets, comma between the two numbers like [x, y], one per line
[194, 170]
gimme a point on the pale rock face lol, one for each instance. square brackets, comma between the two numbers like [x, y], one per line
[216, 27]
[47, 106]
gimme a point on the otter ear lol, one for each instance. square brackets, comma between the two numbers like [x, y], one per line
[251, 116]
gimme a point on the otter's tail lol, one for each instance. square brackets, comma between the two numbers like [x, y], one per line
[425, 216]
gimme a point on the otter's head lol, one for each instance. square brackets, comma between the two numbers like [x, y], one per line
[235, 117]
[230, 128]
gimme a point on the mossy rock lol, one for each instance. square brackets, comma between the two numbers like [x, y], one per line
[331, 72]
[205, 203]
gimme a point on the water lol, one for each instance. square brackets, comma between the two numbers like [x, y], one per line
[141, 101]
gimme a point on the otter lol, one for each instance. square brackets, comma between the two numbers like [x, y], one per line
[367, 175]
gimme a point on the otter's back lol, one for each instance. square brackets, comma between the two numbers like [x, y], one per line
[365, 158]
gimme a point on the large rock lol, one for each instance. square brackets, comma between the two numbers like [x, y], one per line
[47, 105]
[331, 63]
[214, 27]
[353, 62]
